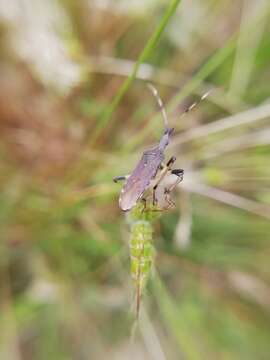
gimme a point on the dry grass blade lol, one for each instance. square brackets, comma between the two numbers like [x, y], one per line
[148, 72]
[242, 119]
[150, 336]
[229, 198]
[182, 234]
[257, 138]
[247, 48]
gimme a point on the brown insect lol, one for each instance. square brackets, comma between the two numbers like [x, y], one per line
[150, 172]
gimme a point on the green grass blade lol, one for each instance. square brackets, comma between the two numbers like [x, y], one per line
[150, 45]
[212, 64]
[207, 69]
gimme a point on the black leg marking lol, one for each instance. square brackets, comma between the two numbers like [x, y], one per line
[171, 161]
[120, 178]
[154, 195]
[165, 170]
[179, 173]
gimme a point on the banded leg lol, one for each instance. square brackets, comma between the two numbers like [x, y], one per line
[163, 173]
[170, 202]
[180, 174]
[165, 187]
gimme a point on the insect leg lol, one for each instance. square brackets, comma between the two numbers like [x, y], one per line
[179, 173]
[162, 192]
[162, 175]
[143, 200]
[170, 162]
[168, 190]
[168, 199]
[120, 178]
[164, 171]
[154, 201]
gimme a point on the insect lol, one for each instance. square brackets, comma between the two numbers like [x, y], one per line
[150, 172]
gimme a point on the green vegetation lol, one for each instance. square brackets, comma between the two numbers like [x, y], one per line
[75, 113]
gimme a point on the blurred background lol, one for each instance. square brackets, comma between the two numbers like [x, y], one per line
[65, 285]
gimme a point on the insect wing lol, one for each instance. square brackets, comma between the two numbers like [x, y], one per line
[140, 178]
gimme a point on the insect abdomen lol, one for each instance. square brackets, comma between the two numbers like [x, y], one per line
[140, 178]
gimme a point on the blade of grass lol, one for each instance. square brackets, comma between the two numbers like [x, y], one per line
[150, 336]
[241, 119]
[207, 69]
[238, 143]
[149, 47]
[212, 64]
[247, 48]
[175, 321]
[162, 76]
[218, 58]
[229, 198]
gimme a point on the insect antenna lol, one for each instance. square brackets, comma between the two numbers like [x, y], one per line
[160, 104]
[196, 103]
[162, 107]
